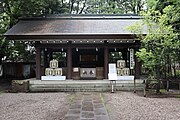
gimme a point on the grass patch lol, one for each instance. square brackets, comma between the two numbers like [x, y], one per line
[103, 98]
[163, 90]
[178, 96]
[1, 90]
[71, 98]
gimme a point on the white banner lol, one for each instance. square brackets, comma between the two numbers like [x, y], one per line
[131, 58]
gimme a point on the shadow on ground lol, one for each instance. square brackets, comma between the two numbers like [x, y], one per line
[163, 94]
[5, 85]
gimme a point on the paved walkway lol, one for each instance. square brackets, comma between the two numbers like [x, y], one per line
[87, 106]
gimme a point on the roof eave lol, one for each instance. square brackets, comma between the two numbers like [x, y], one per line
[70, 36]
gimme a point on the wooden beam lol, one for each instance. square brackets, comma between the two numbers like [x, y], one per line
[87, 45]
[40, 37]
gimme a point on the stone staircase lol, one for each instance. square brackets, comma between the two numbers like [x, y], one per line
[83, 85]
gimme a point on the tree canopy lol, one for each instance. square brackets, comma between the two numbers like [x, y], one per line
[160, 48]
[11, 10]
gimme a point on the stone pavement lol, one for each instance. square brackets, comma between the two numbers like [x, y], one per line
[87, 106]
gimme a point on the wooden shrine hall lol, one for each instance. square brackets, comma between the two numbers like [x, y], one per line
[82, 45]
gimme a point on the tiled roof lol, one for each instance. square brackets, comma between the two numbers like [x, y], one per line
[69, 26]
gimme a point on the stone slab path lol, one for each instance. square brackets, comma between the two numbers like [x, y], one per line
[87, 106]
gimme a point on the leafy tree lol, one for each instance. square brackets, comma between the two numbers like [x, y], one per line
[4, 25]
[173, 20]
[161, 45]
[11, 10]
[114, 6]
[151, 4]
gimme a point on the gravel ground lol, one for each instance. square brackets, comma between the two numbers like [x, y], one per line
[130, 106]
[33, 106]
[54, 106]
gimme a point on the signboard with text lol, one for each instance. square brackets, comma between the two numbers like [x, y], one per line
[131, 58]
[112, 68]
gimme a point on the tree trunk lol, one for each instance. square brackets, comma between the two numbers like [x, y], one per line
[174, 69]
[1, 56]
[71, 5]
[157, 69]
[165, 68]
[134, 6]
[158, 79]
[77, 9]
[84, 4]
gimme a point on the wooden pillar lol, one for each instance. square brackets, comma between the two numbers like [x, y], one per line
[137, 66]
[45, 58]
[69, 62]
[106, 59]
[38, 61]
[45, 64]
[50, 55]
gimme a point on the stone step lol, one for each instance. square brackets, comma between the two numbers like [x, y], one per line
[82, 85]
[82, 90]
[81, 81]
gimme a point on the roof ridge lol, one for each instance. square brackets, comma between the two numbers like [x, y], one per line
[84, 16]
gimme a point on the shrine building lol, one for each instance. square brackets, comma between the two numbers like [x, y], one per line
[81, 46]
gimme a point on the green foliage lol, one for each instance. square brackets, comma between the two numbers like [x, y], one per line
[148, 58]
[161, 45]
[152, 4]
[11, 10]
[20, 51]
[4, 20]
[4, 24]
[114, 6]
[114, 56]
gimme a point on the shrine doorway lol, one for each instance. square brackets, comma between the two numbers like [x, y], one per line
[88, 63]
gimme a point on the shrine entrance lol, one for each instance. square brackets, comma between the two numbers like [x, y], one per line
[91, 62]
[88, 63]
[83, 46]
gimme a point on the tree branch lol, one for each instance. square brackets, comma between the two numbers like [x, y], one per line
[84, 5]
